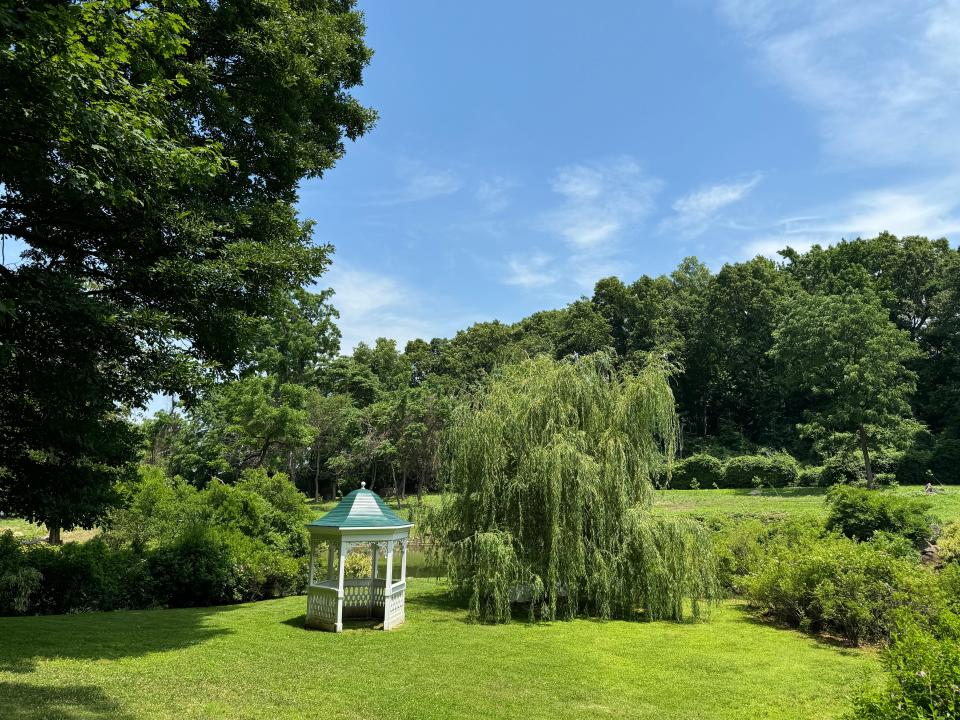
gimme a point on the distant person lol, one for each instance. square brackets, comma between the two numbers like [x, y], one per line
[929, 489]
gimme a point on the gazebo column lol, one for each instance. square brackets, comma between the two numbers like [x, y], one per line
[329, 560]
[375, 558]
[313, 561]
[403, 561]
[340, 598]
[388, 586]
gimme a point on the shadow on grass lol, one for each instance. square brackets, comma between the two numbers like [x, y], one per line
[102, 636]
[823, 642]
[22, 701]
[782, 492]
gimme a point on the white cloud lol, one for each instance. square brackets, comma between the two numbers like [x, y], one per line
[695, 212]
[599, 202]
[494, 194]
[929, 209]
[531, 271]
[418, 182]
[373, 305]
[880, 77]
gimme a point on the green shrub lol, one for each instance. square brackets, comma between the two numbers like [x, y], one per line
[839, 586]
[911, 467]
[697, 471]
[739, 548]
[18, 580]
[858, 513]
[88, 576]
[810, 476]
[195, 568]
[922, 673]
[948, 543]
[842, 469]
[775, 470]
[945, 461]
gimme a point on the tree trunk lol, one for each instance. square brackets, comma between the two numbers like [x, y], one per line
[54, 537]
[866, 456]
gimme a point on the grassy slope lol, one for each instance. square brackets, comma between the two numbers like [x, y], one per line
[784, 501]
[255, 661]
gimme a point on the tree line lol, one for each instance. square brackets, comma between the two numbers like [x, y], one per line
[849, 352]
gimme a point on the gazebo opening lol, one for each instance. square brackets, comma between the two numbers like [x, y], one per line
[361, 521]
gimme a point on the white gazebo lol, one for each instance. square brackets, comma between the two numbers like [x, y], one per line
[361, 519]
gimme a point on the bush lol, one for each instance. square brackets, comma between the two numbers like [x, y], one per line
[839, 586]
[858, 513]
[948, 544]
[775, 470]
[195, 568]
[18, 580]
[922, 674]
[842, 469]
[170, 544]
[87, 576]
[810, 476]
[945, 461]
[703, 471]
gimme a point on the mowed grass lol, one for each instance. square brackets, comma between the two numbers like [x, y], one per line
[256, 661]
[773, 504]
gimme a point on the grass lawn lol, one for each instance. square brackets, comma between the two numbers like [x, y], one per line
[256, 661]
[781, 502]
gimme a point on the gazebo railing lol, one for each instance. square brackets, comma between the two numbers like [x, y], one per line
[362, 598]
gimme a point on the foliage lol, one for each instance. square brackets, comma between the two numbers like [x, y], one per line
[922, 674]
[550, 469]
[948, 544]
[854, 360]
[774, 470]
[169, 544]
[697, 471]
[149, 165]
[859, 513]
[840, 586]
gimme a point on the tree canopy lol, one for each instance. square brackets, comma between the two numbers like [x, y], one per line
[150, 156]
[549, 473]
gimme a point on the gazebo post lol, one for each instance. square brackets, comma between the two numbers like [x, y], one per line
[375, 558]
[329, 560]
[313, 560]
[340, 598]
[388, 586]
[403, 561]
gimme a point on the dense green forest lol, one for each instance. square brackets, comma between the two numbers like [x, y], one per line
[823, 356]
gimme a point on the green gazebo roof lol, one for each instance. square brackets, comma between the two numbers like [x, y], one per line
[361, 509]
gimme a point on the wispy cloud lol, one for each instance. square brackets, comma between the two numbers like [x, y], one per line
[599, 201]
[373, 305]
[531, 271]
[929, 209]
[889, 101]
[493, 194]
[417, 182]
[695, 212]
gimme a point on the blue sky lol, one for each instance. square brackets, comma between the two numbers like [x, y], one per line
[527, 149]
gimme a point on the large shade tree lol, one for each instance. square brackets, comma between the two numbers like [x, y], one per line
[853, 360]
[150, 154]
[550, 469]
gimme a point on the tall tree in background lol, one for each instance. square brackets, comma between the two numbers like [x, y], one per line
[150, 155]
[852, 358]
[550, 469]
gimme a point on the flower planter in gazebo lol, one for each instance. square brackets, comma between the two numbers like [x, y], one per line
[361, 519]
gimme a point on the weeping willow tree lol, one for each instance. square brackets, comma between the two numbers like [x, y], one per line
[549, 471]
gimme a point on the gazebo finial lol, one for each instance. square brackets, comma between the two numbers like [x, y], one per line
[363, 484]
